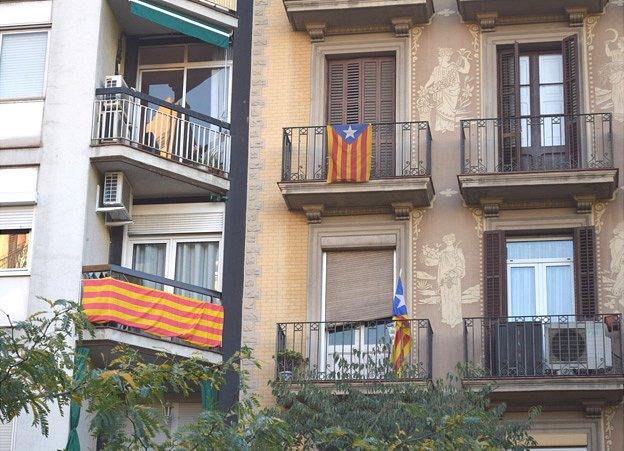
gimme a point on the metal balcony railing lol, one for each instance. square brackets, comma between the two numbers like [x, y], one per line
[534, 144]
[350, 351]
[543, 346]
[126, 116]
[151, 281]
[400, 149]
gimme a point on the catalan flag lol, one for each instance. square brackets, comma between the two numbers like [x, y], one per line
[349, 149]
[402, 336]
[154, 311]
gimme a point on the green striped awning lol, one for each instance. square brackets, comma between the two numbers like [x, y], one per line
[181, 23]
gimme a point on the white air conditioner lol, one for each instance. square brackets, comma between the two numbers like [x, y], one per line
[577, 346]
[115, 81]
[116, 199]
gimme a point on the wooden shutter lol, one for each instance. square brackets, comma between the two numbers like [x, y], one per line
[359, 285]
[571, 97]
[495, 273]
[509, 107]
[363, 90]
[585, 271]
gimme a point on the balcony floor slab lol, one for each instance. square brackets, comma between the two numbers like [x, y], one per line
[154, 177]
[513, 187]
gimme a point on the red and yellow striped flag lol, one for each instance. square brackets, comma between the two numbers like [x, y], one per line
[155, 311]
[350, 149]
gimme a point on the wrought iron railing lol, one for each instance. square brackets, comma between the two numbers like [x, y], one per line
[126, 116]
[540, 143]
[150, 281]
[543, 346]
[350, 351]
[400, 149]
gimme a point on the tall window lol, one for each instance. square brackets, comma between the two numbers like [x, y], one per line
[538, 102]
[362, 90]
[540, 277]
[22, 64]
[192, 260]
[194, 76]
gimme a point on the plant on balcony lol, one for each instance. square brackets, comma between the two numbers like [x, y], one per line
[289, 364]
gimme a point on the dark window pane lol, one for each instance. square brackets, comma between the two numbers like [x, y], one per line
[205, 52]
[162, 54]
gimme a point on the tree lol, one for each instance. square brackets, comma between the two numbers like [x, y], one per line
[442, 415]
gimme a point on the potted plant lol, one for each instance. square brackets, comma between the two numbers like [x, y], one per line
[289, 364]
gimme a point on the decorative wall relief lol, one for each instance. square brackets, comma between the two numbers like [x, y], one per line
[614, 283]
[445, 287]
[447, 93]
[611, 76]
[448, 192]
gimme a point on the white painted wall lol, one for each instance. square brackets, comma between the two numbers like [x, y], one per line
[18, 13]
[21, 123]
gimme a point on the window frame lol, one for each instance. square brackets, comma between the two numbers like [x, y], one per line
[540, 266]
[25, 271]
[171, 242]
[185, 66]
[45, 67]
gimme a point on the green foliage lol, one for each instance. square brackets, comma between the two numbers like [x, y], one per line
[37, 359]
[441, 415]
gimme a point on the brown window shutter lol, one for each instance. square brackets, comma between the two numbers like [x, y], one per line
[571, 96]
[495, 273]
[585, 271]
[336, 92]
[359, 285]
[509, 107]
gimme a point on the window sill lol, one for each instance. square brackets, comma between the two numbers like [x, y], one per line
[14, 273]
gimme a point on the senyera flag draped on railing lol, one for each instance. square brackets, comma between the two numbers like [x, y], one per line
[154, 311]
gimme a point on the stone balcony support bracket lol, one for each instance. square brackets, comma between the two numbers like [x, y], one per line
[314, 213]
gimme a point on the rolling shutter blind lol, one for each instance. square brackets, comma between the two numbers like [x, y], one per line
[22, 64]
[359, 285]
[509, 107]
[585, 271]
[16, 218]
[6, 436]
[158, 224]
[363, 90]
[571, 96]
[495, 273]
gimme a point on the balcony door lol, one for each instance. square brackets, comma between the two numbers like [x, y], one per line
[539, 106]
[363, 90]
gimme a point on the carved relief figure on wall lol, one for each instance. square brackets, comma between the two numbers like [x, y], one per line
[445, 93]
[615, 283]
[612, 75]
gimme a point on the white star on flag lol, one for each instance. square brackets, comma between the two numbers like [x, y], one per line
[349, 133]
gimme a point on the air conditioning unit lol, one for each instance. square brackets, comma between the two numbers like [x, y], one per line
[577, 346]
[115, 81]
[116, 199]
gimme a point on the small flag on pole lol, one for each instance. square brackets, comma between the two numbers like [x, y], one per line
[402, 336]
[349, 149]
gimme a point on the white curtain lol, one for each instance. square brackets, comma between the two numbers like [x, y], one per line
[22, 64]
[559, 290]
[517, 250]
[150, 258]
[196, 264]
[522, 295]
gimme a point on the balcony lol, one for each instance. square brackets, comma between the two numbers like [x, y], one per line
[550, 160]
[165, 150]
[327, 352]
[322, 17]
[563, 361]
[110, 334]
[400, 174]
[489, 13]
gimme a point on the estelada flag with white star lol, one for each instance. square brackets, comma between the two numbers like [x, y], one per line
[403, 336]
[349, 151]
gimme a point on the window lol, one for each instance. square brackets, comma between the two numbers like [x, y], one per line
[14, 249]
[22, 64]
[193, 260]
[362, 90]
[538, 98]
[540, 277]
[194, 76]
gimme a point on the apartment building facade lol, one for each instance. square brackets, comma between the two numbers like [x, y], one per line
[497, 134]
[123, 140]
